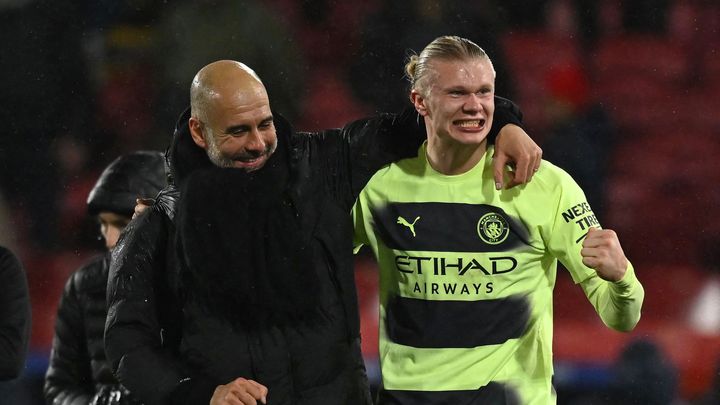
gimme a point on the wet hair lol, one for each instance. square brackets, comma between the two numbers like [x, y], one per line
[418, 68]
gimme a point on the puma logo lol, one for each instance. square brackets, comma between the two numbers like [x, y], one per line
[402, 221]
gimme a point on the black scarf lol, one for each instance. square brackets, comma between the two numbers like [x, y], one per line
[241, 248]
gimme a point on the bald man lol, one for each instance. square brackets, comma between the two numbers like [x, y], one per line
[242, 291]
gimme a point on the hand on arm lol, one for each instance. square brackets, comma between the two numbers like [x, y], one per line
[240, 392]
[514, 145]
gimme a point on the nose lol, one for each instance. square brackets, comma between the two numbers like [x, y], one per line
[112, 234]
[472, 103]
[255, 141]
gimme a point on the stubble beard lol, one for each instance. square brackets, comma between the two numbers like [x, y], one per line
[214, 154]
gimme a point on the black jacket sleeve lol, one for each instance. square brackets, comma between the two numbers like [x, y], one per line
[367, 145]
[68, 380]
[14, 315]
[141, 354]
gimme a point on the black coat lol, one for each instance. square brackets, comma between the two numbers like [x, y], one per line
[77, 364]
[78, 369]
[14, 315]
[166, 348]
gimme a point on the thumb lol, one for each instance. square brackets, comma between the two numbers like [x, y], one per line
[589, 235]
[499, 162]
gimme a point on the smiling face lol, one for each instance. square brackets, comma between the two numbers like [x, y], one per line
[457, 101]
[242, 136]
[232, 119]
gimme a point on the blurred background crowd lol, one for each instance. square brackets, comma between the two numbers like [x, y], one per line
[621, 94]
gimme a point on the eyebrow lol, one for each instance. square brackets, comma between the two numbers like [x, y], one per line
[465, 89]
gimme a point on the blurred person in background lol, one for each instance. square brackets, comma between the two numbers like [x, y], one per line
[78, 372]
[580, 135]
[192, 34]
[411, 25]
[467, 270]
[252, 297]
[14, 315]
[643, 374]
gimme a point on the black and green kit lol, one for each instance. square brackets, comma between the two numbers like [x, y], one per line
[466, 280]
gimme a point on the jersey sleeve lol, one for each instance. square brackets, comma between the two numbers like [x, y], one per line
[618, 303]
[570, 222]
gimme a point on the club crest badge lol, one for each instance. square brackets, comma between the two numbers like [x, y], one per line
[492, 228]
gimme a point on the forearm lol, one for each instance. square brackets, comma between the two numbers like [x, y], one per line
[68, 379]
[137, 354]
[152, 375]
[618, 303]
[506, 112]
[139, 357]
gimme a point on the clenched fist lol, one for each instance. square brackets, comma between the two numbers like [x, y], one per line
[602, 251]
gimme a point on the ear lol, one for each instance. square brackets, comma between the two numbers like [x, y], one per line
[419, 102]
[196, 132]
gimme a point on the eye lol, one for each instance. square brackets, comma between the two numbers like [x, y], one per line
[236, 132]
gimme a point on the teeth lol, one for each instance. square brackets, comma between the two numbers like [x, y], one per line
[473, 123]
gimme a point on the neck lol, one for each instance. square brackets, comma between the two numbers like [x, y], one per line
[452, 158]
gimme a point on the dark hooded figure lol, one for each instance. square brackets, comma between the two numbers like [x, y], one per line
[237, 285]
[78, 372]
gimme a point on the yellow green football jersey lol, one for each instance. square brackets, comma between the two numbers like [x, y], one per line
[466, 279]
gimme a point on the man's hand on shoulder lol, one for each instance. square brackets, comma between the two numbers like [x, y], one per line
[240, 392]
[514, 145]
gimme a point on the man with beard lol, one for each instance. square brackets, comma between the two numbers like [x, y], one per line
[252, 297]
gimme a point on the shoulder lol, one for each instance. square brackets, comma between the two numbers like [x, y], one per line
[11, 269]
[402, 174]
[8, 261]
[550, 178]
[304, 140]
[91, 275]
